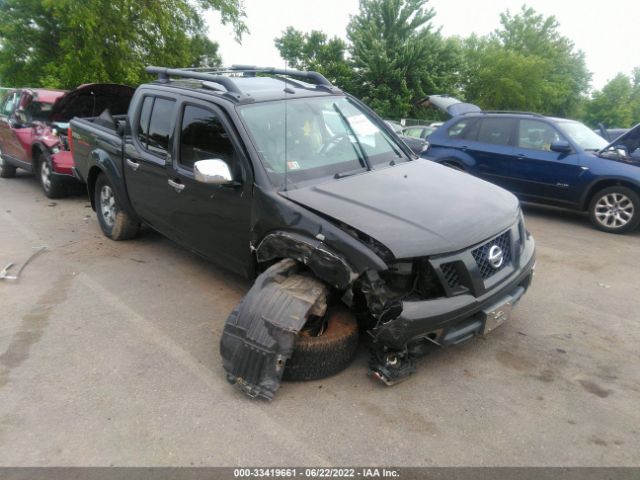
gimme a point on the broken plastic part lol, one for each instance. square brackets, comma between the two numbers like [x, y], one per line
[259, 335]
[313, 253]
[4, 274]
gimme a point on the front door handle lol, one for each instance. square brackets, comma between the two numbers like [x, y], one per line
[177, 186]
[134, 165]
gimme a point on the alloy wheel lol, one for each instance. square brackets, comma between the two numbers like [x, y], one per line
[614, 210]
[45, 175]
[108, 205]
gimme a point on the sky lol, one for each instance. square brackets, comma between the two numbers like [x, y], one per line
[606, 32]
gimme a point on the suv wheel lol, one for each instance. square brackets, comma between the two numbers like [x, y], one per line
[114, 222]
[6, 170]
[615, 210]
[51, 184]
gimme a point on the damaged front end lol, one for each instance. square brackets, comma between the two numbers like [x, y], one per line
[260, 334]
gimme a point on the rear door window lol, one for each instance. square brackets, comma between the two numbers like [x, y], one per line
[160, 126]
[496, 131]
[155, 124]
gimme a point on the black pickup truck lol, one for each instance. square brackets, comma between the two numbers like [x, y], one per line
[281, 176]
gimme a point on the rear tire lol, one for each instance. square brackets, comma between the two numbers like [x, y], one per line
[51, 184]
[325, 355]
[615, 210]
[6, 170]
[114, 222]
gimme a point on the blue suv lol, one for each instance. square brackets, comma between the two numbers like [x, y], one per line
[547, 160]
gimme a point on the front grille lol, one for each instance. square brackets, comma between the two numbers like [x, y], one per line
[481, 254]
[450, 273]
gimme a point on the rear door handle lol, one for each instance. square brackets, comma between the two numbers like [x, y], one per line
[177, 186]
[132, 164]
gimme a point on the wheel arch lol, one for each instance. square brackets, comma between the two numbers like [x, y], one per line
[325, 264]
[603, 183]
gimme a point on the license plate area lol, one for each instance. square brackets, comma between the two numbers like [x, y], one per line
[496, 315]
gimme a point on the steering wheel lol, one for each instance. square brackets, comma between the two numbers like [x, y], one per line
[332, 143]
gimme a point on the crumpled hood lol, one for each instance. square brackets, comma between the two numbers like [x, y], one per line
[415, 209]
[91, 100]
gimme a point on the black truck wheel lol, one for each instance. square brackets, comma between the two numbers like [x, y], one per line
[321, 356]
[6, 170]
[114, 222]
[51, 184]
[615, 209]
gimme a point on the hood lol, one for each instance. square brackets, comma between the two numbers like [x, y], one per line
[415, 209]
[630, 141]
[448, 105]
[91, 100]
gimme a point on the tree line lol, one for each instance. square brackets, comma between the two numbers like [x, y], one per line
[393, 55]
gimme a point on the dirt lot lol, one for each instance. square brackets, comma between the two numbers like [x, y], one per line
[109, 356]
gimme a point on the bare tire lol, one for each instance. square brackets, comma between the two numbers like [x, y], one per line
[615, 210]
[316, 357]
[114, 222]
[51, 183]
[6, 170]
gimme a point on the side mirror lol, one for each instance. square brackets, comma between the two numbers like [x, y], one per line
[561, 146]
[213, 172]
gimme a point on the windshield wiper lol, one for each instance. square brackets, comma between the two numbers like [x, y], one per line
[362, 155]
[348, 173]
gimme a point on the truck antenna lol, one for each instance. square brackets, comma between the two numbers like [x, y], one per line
[286, 154]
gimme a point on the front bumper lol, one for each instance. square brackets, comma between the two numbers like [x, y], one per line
[451, 320]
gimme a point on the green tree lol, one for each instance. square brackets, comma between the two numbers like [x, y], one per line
[612, 106]
[526, 64]
[314, 51]
[63, 43]
[399, 57]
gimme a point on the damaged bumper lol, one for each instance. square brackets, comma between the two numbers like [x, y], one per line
[451, 320]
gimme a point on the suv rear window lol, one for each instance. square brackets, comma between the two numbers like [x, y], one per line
[496, 131]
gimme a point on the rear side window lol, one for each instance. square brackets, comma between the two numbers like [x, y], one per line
[154, 124]
[413, 132]
[203, 137]
[160, 126]
[143, 122]
[496, 131]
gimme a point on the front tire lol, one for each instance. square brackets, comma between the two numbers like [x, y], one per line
[51, 184]
[316, 357]
[114, 222]
[615, 210]
[6, 170]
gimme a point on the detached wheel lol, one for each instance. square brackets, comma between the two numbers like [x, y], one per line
[615, 210]
[326, 352]
[6, 170]
[114, 222]
[51, 184]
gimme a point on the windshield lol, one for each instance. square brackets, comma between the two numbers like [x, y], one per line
[317, 137]
[586, 138]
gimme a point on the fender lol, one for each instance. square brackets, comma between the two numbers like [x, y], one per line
[103, 163]
[323, 262]
[606, 181]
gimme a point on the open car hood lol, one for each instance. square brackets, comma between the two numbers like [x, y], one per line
[92, 99]
[449, 105]
[629, 140]
[415, 209]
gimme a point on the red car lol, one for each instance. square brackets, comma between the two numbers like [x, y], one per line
[33, 130]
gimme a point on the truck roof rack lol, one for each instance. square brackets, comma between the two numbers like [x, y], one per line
[220, 76]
